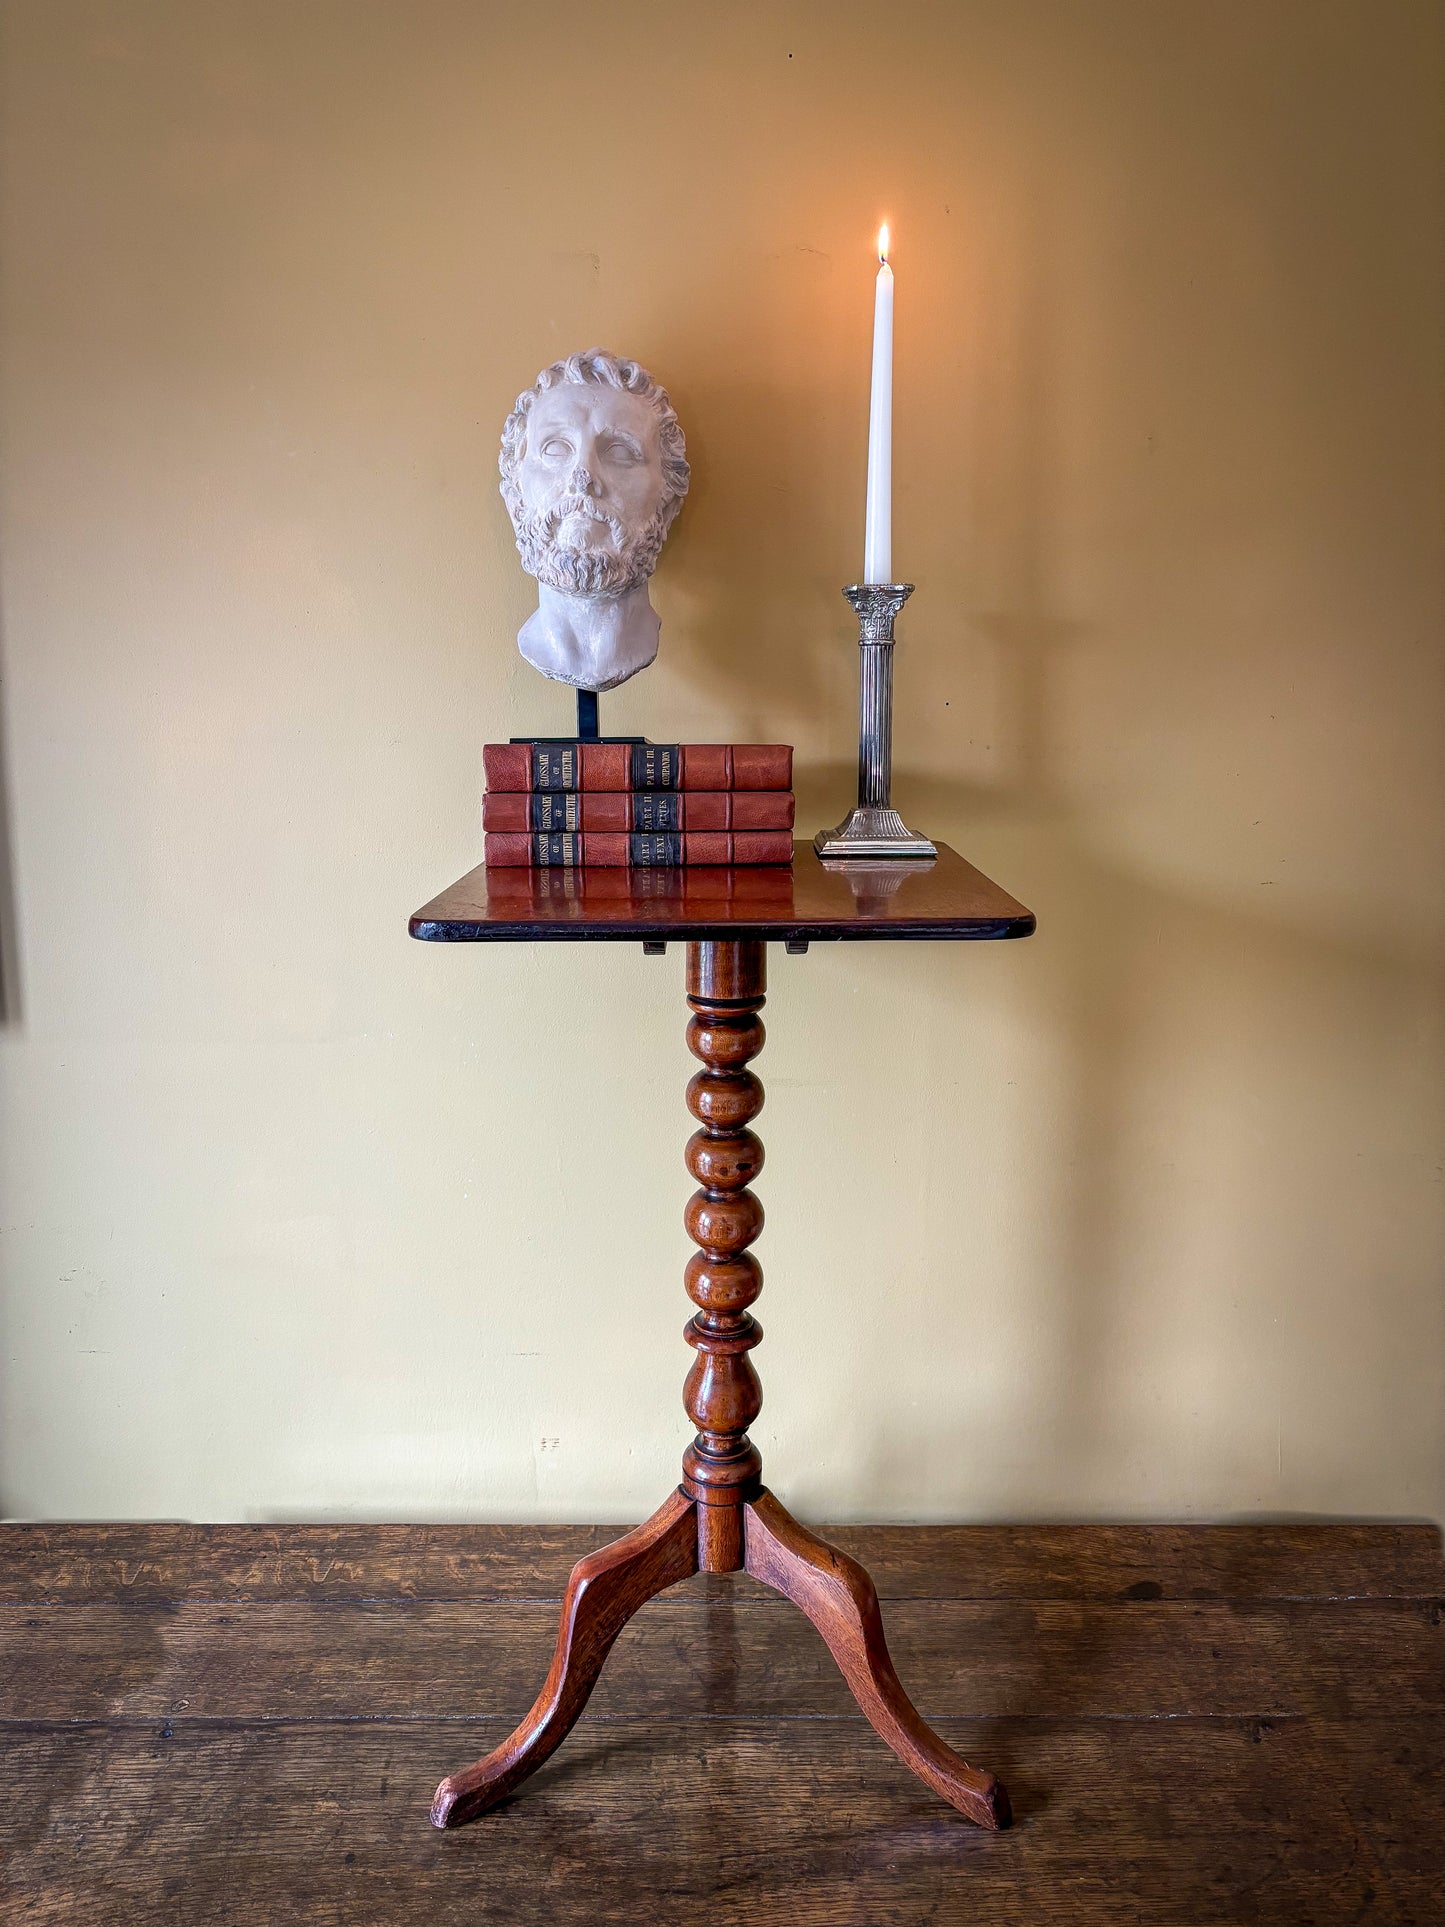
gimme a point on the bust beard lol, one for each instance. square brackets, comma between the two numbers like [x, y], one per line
[589, 572]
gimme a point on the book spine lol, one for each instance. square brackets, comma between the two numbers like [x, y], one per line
[735, 766]
[565, 849]
[714, 847]
[738, 809]
[621, 811]
[507, 766]
[637, 766]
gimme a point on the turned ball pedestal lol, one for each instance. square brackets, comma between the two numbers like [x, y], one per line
[722, 1518]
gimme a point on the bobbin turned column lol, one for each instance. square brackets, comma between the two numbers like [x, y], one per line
[722, 1468]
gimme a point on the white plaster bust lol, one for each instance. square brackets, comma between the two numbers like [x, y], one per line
[594, 469]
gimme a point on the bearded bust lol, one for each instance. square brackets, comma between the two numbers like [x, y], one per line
[594, 471]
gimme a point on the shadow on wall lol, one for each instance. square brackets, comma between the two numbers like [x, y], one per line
[1244, 1097]
[1221, 1249]
[1241, 1207]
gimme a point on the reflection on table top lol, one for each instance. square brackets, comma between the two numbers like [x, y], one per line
[807, 902]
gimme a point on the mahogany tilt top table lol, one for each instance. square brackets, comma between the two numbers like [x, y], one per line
[722, 1518]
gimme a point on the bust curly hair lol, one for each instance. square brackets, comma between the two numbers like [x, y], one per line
[593, 572]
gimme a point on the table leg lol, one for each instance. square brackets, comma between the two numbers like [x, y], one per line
[838, 1596]
[605, 1590]
[725, 986]
[722, 1519]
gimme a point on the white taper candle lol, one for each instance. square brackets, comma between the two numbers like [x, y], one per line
[878, 521]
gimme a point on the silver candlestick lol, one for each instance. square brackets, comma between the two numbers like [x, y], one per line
[874, 828]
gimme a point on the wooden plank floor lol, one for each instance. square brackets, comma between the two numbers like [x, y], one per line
[1197, 1724]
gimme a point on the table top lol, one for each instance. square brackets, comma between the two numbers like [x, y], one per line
[811, 902]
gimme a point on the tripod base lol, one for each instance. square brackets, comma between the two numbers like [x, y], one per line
[608, 1587]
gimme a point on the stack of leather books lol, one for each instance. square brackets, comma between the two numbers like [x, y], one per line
[616, 805]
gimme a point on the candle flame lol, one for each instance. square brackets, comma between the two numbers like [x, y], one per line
[883, 244]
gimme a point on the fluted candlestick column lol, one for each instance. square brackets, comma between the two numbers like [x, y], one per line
[873, 828]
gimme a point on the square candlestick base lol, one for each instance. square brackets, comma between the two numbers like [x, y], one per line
[867, 831]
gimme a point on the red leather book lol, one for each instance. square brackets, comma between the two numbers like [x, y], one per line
[627, 810]
[564, 849]
[638, 766]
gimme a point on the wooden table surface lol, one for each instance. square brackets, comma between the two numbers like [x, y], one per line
[244, 1724]
[809, 902]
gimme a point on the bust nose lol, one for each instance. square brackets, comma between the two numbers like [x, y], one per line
[582, 481]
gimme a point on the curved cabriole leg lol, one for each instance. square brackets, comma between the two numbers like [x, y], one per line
[838, 1596]
[605, 1590]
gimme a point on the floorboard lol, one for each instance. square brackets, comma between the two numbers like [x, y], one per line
[244, 1726]
[692, 1657]
[1289, 1560]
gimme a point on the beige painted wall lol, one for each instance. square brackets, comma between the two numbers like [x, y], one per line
[1140, 1218]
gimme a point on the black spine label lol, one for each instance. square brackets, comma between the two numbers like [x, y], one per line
[649, 852]
[555, 847]
[657, 810]
[555, 766]
[655, 766]
[556, 810]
